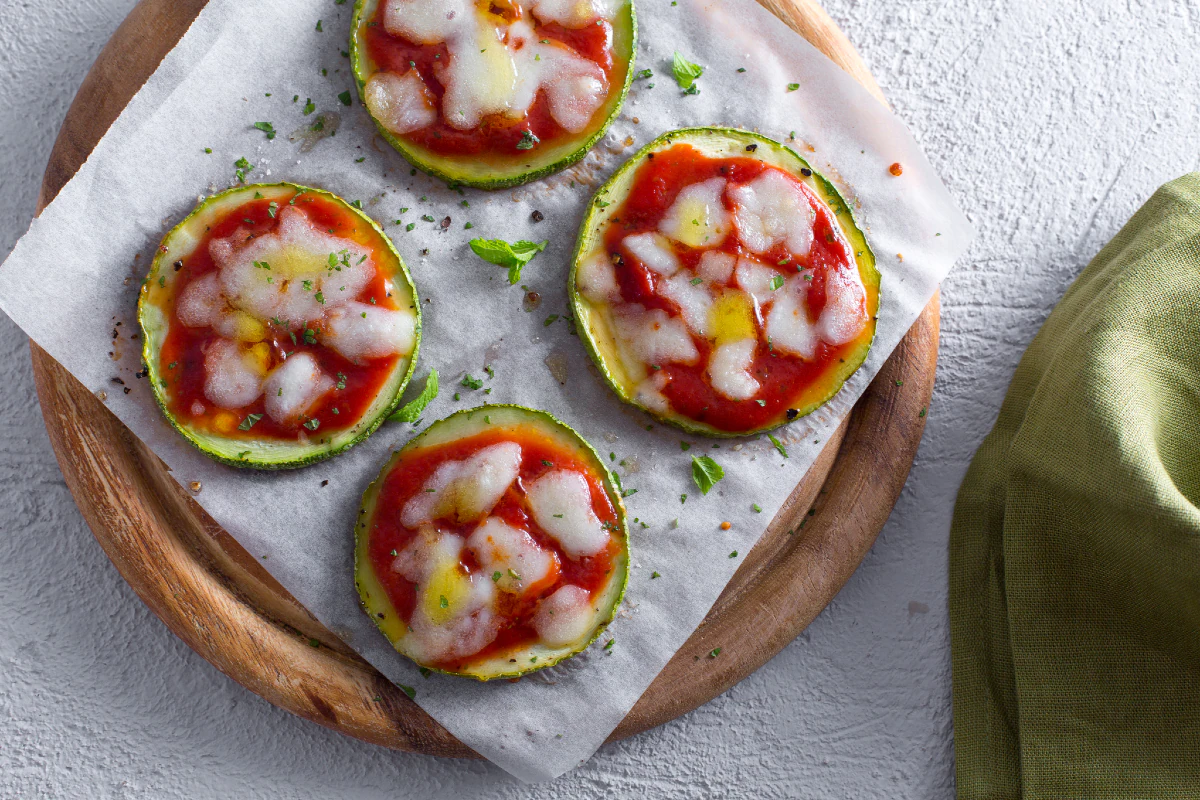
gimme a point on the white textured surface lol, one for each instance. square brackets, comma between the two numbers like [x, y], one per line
[1050, 122]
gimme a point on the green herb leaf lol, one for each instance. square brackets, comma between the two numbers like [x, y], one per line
[249, 421]
[685, 71]
[408, 690]
[412, 410]
[776, 282]
[778, 446]
[513, 256]
[266, 128]
[345, 98]
[313, 424]
[309, 107]
[472, 383]
[793, 87]
[528, 140]
[756, 508]
[706, 472]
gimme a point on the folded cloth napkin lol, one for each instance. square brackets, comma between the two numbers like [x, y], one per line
[1075, 545]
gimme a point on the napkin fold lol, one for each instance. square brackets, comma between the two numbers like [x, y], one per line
[1075, 544]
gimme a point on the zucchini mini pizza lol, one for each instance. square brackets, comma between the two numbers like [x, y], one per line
[280, 326]
[493, 93]
[722, 285]
[492, 545]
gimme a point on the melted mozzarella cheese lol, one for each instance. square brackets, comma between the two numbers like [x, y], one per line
[480, 76]
[361, 330]
[510, 556]
[201, 303]
[575, 13]
[731, 318]
[565, 617]
[698, 217]
[401, 103]
[561, 503]
[729, 369]
[716, 267]
[649, 393]
[771, 209]
[453, 616]
[694, 300]
[845, 312]
[654, 251]
[597, 279]
[788, 327]
[297, 275]
[294, 387]
[755, 277]
[653, 337]
[466, 490]
[498, 69]
[574, 86]
[233, 376]
[426, 21]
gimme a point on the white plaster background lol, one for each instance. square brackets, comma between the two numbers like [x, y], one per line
[1051, 122]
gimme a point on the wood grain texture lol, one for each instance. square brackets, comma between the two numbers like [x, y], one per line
[223, 604]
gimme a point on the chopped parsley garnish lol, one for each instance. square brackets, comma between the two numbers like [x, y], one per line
[608, 645]
[716, 651]
[472, 383]
[249, 421]
[549, 320]
[513, 256]
[321, 298]
[408, 690]
[345, 98]
[496, 576]
[793, 87]
[528, 140]
[684, 446]
[412, 410]
[778, 446]
[243, 166]
[309, 107]
[756, 508]
[776, 282]
[272, 210]
[697, 281]
[341, 384]
[733, 554]
[706, 473]
[643, 74]
[443, 602]
[313, 424]
[654, 575]
[266, 128]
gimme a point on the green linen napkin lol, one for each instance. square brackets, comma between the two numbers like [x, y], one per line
[1075, 545]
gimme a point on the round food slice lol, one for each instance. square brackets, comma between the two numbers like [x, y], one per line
[493, 94]
[280, 326]
[492, 545]
[722, 285]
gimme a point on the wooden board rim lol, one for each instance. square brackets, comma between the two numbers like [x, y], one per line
[223, 604]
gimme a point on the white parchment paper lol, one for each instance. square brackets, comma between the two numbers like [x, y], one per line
[75, 275]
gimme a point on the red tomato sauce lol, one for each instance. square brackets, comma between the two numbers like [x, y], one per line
[181, 361]
[782, 376]
[496, 134]
[408, 477]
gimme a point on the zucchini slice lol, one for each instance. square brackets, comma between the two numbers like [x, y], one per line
[279, 326]
[492, 94]
[722, 285]
[492, 545]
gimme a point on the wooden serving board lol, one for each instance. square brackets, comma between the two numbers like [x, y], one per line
[219, 600]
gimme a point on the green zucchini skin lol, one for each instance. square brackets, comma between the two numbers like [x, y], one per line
[373, 598]
[469, 171]
[725, 142]
[154, 320]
